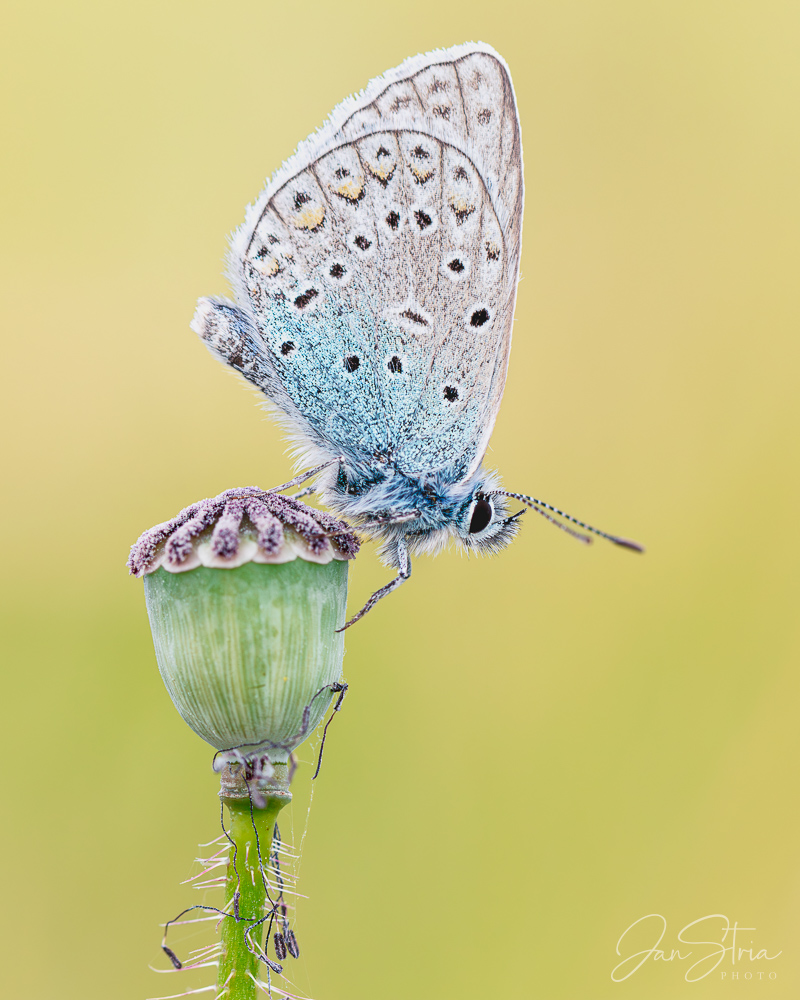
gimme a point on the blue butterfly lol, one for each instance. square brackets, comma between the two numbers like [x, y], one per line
[374, 283]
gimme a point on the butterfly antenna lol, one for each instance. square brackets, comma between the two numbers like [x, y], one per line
[541, 507]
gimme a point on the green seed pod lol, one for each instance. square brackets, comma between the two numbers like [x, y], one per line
[249, 652]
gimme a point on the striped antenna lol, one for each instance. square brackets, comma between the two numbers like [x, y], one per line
[541, 507]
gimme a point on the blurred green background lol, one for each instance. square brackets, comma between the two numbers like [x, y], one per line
[537, 749]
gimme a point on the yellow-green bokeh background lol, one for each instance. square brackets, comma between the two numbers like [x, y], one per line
[539, 748]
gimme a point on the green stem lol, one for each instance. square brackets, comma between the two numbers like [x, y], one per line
[251, 830]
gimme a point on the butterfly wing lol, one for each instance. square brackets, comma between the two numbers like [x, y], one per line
[376, 276]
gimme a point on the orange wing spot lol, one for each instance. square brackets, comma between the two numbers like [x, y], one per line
[422, 174]
[310, 218]
[462, 209]
[351, 189]
[268, 266]
[383, 171]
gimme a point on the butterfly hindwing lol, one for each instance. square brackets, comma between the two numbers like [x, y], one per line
[377, 273]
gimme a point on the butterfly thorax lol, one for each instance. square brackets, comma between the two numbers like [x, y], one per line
[421, 513]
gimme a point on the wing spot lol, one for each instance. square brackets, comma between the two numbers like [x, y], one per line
[421, 153]
[492, 251]
[450, 393]
[414, 317]
[461, 209]
[310, 218]
[382, 175]
[456, 265]
[479, 317]
[395, 365]
[442, 111]
[268, 266]
[362, 242]
[287, 347]
[423, 219]
[380, 170]
[351, 190]
[484, 117]
[421, 175]
[337, 270]
[302, 300]
[393, 220]
[460, 174]
[352, 362]
[301, 198]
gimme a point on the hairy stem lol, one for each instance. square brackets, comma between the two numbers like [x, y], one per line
[252, 824]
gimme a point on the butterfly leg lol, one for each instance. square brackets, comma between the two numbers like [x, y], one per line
[303, 477]
[404, 567]
[306, 492]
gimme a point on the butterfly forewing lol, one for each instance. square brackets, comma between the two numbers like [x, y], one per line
[381, 265]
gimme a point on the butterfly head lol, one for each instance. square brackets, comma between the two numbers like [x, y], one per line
[483, 521]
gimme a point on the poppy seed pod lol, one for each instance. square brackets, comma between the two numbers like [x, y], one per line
[244, 593]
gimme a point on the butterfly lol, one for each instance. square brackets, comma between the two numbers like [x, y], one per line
[374, 286]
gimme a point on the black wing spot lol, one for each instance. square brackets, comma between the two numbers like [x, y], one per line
[456, 265]
[421, 153]
[393, 220]
[423, 219]
[337, 270]
[414, 317]
[341, 173]
[301, 198]
[484, 117]
[287, 347]
[442, 111]
[395, 366]
[460, 174]
[479, 317]
[362, 242]
[352, 362]
[492, 251]
[382, 151]
[302, 300]
[450, 393]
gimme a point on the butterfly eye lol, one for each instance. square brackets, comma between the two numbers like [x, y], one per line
[481, 516]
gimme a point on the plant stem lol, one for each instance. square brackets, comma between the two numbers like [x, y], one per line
[252, 825]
